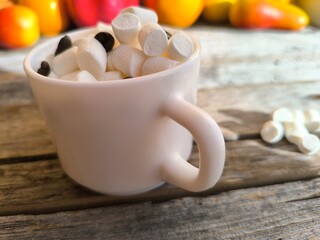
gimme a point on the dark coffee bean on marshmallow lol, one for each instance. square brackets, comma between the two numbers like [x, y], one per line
[64, 44]
[106, 39]
[44, 69]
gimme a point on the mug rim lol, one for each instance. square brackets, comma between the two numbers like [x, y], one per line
[34, 75]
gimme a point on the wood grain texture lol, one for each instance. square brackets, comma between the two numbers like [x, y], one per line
[235, 57]
[41, 186]
[14, 90]
[23, 132]
[286, 211]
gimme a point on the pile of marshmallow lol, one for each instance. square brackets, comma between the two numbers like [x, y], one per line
[298, 126]
[137, 46]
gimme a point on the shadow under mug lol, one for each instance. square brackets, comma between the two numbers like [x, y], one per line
[129, 136]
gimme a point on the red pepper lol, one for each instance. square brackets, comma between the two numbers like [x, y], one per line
[89, 12]
[267, 14]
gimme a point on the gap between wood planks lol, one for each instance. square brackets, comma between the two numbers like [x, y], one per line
[42, 157]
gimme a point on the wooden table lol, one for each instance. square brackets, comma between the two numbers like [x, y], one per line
[266, 191]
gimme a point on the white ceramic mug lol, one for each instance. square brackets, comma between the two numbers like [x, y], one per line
[129, 136]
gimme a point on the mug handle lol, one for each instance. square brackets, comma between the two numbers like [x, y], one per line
[210, 141]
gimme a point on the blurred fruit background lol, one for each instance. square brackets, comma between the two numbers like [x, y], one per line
[23, 22]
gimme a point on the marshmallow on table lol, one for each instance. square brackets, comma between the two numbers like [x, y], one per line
[294, 131]
[111, 75]
[126, 28]
[297, 134]
[92, 57]
[153, 39]
[283, 115]
[180, 47]
[157, 64]
[128, 60]
[298, 115]
[272, 131]
[65, 62]
[145, 15]
[312, 120]
[81, 76]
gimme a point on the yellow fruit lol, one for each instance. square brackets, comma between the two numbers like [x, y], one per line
[179, 13]
[51, 13]
[19, 27]
[312, 7]
[217, 11]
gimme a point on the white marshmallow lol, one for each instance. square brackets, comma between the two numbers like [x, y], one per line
[128, 60]
[126, 28]
[111, 75]
[297, 134]
[144, 14]
[272, 131]
[52, 74]
[110, 66]
[283, 115]
[312, 115]
[294, 131]
[65, 62]
[309, 144]
[153, 39]
[157, 64]
[298, 115]
[81, 76]
[92, 57]
[180, 47]
[312, 119]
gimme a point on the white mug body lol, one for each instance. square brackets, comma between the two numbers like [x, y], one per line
[114, 136]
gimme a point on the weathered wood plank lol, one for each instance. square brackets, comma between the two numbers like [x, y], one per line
[41, 186]
[232, 56]
[15, 91]
[240, 112]
[286, 211]
[23, 132]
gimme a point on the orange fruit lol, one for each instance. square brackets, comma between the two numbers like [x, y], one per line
[19, 27]
[51, 13]
[179, 13]
[5, 3]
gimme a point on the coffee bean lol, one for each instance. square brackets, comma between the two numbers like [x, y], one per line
[44, 69]
[45, 65]
[106, 39]
[64, 44]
